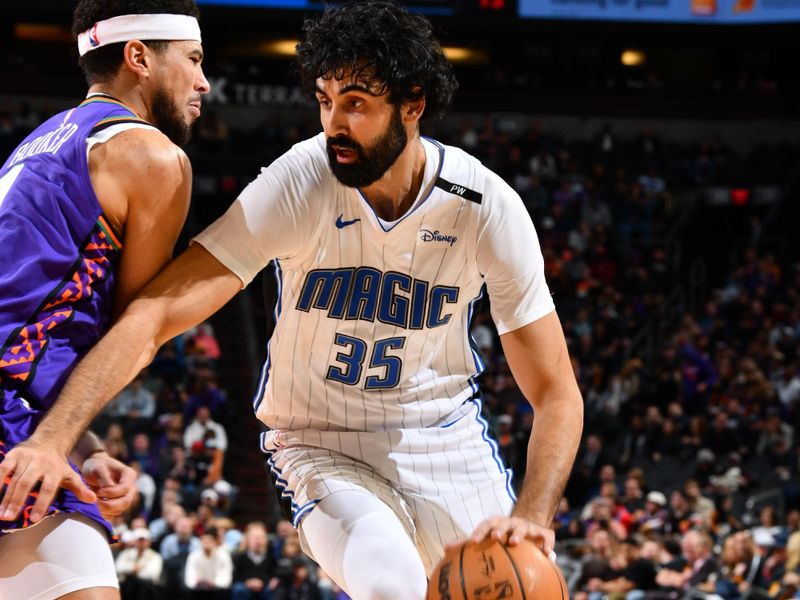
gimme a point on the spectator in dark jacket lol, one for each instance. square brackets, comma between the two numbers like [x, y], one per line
[254, 566]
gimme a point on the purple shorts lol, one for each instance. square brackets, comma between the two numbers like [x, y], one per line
[17, 421]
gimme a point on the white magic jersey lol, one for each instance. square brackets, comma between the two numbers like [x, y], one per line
[373, 317]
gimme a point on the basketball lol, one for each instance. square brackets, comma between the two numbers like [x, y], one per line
[491, 570]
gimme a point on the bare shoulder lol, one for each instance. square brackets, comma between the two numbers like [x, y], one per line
[144, 152]
[140, 168]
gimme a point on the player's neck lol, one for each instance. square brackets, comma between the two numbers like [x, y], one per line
[130, 97]
[394, 193]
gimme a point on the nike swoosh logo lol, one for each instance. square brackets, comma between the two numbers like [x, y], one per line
[342, 224]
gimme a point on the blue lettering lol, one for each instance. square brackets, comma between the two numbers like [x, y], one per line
[328, 290]
[364, 297]
[393, 308]
[419, 300]
[439, 295]
[365, 293]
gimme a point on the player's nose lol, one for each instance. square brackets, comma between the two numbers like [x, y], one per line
[336, 122]
[202, 85]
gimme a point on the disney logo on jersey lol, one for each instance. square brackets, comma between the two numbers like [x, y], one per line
[438, 236]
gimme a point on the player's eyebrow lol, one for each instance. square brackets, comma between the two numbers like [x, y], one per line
[350, 87]
[357, 87]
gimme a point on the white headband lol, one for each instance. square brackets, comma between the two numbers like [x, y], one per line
[138, 27]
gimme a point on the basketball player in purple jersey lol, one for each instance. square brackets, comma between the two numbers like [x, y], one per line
[91, 204]
[382, 241]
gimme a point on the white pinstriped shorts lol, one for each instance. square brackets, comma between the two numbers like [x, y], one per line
[440, 481]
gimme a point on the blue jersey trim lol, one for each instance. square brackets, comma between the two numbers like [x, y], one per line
[493, 445]
[298, 512]
[264, 377]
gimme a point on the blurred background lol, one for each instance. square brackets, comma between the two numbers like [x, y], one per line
[655, 144]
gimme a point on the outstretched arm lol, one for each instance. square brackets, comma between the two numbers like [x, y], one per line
[188, 291]
[538, 357]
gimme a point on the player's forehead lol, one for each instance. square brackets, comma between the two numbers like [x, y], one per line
[349, 80]
[187, 47]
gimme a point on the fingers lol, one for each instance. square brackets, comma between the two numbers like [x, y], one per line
[6, 469]
[23, 469]
[73, 482]
[115, 499]
[19, 485]
[112, 507]
[121, 482]
[103, 477]
[512, 530]
[44, 497]
[487, 529]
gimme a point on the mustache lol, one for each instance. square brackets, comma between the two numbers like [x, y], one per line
[343, 142]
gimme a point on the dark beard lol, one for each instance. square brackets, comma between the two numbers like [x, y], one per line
[167, 118]
[371, 164]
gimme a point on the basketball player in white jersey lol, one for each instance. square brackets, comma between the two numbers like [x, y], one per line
[382, 242]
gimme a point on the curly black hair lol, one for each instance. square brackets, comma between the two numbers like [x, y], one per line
[382, 44]
[102, 64]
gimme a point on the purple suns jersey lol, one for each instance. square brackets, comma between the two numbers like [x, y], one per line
[59, 256]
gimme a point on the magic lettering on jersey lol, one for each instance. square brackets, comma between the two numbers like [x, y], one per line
[366, 294]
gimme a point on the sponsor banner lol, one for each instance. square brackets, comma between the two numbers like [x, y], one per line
[702, 12]
[238, 93]
[432, 7]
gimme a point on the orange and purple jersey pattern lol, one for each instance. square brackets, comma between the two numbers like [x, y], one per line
[20, 357]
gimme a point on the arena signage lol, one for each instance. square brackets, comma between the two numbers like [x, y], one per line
[237, 93]
[702, 12]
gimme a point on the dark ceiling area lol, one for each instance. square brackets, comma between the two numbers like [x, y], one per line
[520, 65]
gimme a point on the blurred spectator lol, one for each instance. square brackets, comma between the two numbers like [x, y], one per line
[253, 566]
[697, 551]
[742, 568]
[161, 527]
[205, 440]
[630, 575]
[135, 403]
[209, 570]
[175, 550]
[205, 392]
[301, 586]
[229, 536]
[139, 568]
[146, 486]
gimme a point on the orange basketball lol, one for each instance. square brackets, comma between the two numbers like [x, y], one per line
[491, 571]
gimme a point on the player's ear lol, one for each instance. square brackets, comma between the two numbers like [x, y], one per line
[136, 57]
[413, 109]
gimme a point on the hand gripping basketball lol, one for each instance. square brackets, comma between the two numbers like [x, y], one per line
[489, 569]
